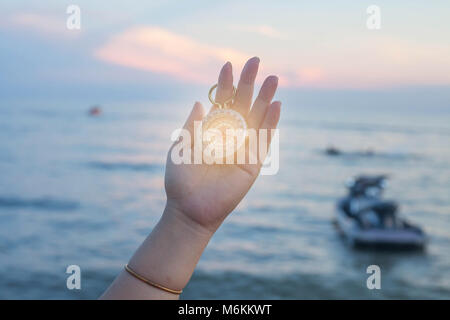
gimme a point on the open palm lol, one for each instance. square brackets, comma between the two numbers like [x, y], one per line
[205, 194]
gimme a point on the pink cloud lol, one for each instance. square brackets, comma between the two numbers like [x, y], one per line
[158, 50]
[262, 30]
[381, 62]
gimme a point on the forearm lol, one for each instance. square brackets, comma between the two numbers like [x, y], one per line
[168, 257]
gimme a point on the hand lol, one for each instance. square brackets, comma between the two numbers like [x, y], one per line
[202, 194]
[199, 198]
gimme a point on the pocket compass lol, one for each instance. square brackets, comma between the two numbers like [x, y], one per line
[224, 129]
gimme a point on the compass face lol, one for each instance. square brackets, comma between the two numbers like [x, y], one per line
[223, 129]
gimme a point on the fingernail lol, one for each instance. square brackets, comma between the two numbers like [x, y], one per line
[273, 80]
[196, 106]
[224, 74]
[249, 76]
[226, 65]
[277, 103]
[268, 88]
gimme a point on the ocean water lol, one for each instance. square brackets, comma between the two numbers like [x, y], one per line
[87, 190]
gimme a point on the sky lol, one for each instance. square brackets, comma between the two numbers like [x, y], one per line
[143, 48]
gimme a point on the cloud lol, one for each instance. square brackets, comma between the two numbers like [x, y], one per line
[372, 63]
[304, 77]
[262, 30]
[159, 50]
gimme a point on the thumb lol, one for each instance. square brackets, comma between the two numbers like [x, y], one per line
[196, 114]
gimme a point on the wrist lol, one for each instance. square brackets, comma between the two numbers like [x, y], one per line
[184, 222]
[171, 252]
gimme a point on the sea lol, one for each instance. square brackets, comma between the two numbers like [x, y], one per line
[83, 190]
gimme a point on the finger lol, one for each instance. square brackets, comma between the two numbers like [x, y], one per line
[271, 119]
[196, 114]
[269, 123]
[224, 85]
[245, 87]
[262, 102]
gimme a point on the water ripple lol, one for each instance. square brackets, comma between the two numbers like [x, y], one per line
[45, 203]
[128, 166]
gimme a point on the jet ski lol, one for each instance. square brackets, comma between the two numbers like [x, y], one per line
[365, 219]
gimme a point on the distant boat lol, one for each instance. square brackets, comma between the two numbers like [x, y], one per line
[367, 220]
[95, 111]
[333, 151]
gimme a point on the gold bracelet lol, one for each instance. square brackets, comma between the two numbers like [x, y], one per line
[134, 274]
